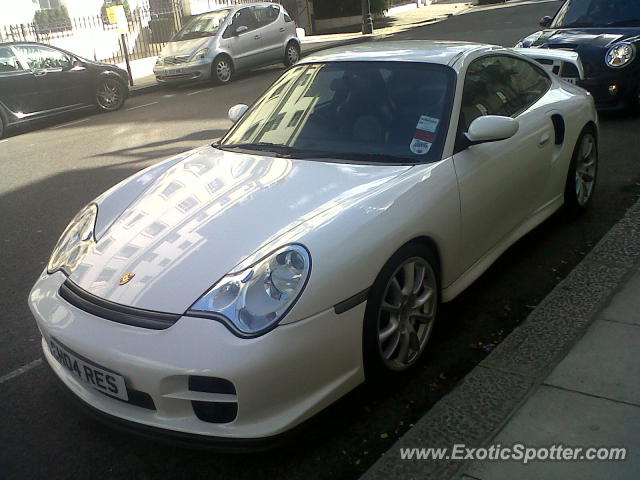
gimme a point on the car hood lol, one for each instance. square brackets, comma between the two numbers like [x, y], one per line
[204, 215]
[185, 47]
[577, 38]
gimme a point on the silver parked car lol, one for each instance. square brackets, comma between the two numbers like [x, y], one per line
[215, 45]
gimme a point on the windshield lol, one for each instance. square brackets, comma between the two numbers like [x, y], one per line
[205, 25]
[388, 112]
[598, 13]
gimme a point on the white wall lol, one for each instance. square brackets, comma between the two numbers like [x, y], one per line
[13, 12]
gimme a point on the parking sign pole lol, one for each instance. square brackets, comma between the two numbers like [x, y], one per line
[125, 51]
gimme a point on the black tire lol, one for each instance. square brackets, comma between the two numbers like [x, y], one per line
[111, 94]
[575, 200]
[291, 54]
[378, 366]
[222, 70]
[2, 125]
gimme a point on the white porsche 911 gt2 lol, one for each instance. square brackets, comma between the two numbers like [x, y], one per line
[232, 292]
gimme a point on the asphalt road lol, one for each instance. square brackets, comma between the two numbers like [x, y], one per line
[51, 170]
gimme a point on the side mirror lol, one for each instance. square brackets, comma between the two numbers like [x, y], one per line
[491, 128]
[236, 112]
[545, 21]
[241, 29]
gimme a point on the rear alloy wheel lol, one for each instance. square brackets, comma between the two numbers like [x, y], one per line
[222, 70]
[581, 180]
[110, 95]
[292, 54]
[401, 312]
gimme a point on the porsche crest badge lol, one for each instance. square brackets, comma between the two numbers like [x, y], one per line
[126, 278]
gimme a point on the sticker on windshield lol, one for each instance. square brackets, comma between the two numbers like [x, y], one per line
[425, 135]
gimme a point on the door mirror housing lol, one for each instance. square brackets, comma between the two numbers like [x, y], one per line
[545, 21]
[491, 128]
[237, 111]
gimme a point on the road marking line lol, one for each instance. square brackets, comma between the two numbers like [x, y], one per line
[70, 123]
[199, 91]
[21, 370]
[140, 106]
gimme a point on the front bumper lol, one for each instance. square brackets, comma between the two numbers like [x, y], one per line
[626, 82]
[281, 379]
[180, 73]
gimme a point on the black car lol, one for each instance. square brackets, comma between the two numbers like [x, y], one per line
[38, 80]
[606, 35]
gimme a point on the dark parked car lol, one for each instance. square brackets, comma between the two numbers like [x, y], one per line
[38, 80]
[606, 35]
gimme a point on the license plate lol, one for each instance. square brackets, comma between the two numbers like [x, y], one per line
[89, 373]
[174, 71]
[571, 80]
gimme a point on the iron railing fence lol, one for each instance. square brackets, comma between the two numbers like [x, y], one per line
[150, 26]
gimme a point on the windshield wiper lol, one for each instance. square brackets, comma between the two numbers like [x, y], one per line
[575, 24]
[278, 149]
[362, 157]
[633, 22]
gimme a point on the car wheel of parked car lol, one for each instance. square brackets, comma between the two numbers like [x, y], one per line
[401, 311]
[222, 70]
[292, 54]
[583, 172]
[110, 94]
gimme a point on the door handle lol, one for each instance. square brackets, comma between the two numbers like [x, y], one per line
[282, 29]
[257, 37]
[39, 73]
[544, 139]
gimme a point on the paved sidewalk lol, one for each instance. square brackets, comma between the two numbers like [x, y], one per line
[569, 375]
[398, 20]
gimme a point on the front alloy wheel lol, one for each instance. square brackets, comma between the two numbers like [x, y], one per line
[110, 95]
[401, 312]
[406, 314]
[222, 70]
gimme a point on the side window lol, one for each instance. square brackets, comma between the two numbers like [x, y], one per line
[500, 85]
[529, 80]
[43, 58]
[8, 61]
[266, 14]
[245, 18]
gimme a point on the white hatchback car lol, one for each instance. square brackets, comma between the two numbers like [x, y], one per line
[215, 45]
[234, 291]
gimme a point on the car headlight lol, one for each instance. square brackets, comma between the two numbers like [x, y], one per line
[199, 55]
[254, 300]
[620, 55]
[75, 242]
[160, 61]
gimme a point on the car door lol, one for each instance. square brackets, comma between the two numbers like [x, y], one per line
[58, 83]
[17, 84]
[272, 31]
[244, 42]
[502, 183]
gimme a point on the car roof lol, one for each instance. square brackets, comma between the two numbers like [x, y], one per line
[425, 51]
[238, 6]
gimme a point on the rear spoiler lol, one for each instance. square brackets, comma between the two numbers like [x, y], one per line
[556, 61]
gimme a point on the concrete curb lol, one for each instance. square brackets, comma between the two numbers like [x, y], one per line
[486, 398]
